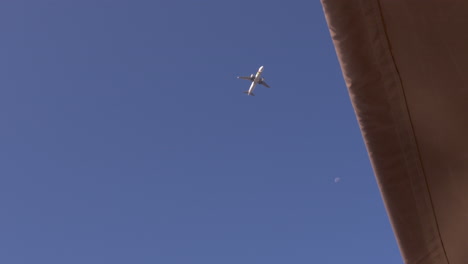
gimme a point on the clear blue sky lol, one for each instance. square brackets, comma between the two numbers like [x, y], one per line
[125, 137]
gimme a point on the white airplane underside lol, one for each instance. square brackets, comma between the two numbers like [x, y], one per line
[255, 79]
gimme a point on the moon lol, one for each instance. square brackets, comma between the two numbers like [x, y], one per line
[337, 179]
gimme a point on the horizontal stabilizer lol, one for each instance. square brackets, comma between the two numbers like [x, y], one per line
[247, 92]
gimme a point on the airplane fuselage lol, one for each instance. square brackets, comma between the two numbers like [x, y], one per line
[256, 80]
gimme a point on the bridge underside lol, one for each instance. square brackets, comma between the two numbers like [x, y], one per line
[405, 63]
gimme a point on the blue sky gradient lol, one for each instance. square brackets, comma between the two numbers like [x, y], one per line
[125, 137]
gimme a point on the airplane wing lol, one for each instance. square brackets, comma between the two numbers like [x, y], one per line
[262, 82]
[246, 78]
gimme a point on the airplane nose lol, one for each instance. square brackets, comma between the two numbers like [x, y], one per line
[261, 68]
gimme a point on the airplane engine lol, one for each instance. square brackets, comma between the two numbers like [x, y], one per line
[252, 75]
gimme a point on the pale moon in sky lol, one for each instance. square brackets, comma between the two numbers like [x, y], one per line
[337, 179]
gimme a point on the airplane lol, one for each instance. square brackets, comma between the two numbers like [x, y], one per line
[255, 79]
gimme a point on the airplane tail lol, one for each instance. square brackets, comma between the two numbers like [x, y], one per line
[247, 92]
